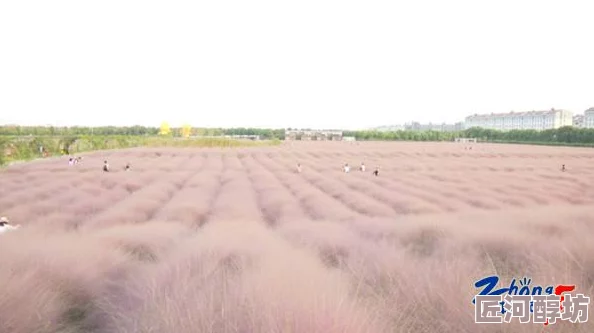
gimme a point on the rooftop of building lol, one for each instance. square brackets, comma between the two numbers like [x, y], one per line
[513, 113]
[328, 132]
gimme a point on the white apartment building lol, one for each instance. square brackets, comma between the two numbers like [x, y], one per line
[588, 118]
[578, 121]
[535, 120]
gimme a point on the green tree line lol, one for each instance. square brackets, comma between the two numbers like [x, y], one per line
[76, 130]
[564, 135]
[560, 136]
[403, 135]
[265, 134]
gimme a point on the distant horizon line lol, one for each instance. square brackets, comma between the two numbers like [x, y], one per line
[159, 126]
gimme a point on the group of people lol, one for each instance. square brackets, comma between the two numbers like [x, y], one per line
[5, 224]
[106, 166]
[346, 168]
[74, 160]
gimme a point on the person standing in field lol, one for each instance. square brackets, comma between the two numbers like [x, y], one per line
[299, 167]
[127, 168]
[6, 226]
[376, 172]
[347, 168]
[563, 168]
[362, 167]
[105, 166]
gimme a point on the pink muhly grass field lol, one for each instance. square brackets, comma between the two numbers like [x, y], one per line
[236, 240]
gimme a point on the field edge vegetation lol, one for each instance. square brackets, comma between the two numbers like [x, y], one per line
[25, 148]
[19, 143]
[564, 136]
[570, 136]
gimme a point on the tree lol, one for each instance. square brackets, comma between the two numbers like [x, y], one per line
[165, 129]
[186, 131]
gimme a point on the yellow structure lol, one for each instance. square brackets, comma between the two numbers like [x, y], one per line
[186, 131]
[165, 129]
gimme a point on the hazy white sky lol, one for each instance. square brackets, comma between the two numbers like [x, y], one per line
[305, 63]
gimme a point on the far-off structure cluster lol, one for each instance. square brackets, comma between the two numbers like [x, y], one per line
[314, 135]
[507, 121]
[534, 120]
[531, 120]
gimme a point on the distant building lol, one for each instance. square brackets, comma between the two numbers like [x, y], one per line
[249, 137]
[416, 126]
[578, 121]
[465, 140]
[390, 128]
[536, 120]
[313, 135]
[589, 118]
[443, 127]
[291, 134]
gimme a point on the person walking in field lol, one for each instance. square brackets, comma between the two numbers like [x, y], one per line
[105, 166]
[376, 172]
[362, 167]
[6, 226]
[347, 168]
[563, 168]
[71, 161]
[127, 168]
[299, 167]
